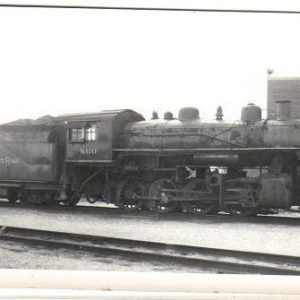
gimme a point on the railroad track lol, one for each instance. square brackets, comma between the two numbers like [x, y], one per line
[78, 209]
[201, 258]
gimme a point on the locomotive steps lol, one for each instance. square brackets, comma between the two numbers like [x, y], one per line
[200, 258]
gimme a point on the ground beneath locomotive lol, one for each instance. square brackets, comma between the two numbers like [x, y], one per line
[227, 233]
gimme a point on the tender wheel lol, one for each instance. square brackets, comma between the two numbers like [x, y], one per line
[12, 196]
[47, 197]
[24, 197]
[196, 207]
[31, 197]
[161, 204]
[127, 194]
[37, 197]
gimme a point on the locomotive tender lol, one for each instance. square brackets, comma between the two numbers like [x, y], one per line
[186, 164]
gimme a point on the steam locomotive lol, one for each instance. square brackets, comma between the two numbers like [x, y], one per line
[170, 164]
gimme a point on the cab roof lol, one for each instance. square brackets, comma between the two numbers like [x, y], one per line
[98, 116]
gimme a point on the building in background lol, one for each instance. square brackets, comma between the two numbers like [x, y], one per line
[281, 89]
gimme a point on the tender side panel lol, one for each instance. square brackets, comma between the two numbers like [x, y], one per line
[27, 155]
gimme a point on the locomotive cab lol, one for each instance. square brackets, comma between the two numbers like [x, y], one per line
[90, 138]
[86, 142]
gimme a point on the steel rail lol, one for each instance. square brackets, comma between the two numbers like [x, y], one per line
[220, 260]
[149, 8]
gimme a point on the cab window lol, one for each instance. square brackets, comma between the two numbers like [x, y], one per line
[76, 134]
[90, 133]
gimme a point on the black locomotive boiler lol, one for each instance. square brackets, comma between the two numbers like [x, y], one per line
[168, 164]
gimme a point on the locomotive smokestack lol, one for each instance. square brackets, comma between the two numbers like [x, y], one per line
[283, 110]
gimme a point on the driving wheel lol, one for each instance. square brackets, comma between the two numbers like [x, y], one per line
[197, 207]
[162, 202]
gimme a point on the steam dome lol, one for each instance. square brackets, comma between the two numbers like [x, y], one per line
[188, 114]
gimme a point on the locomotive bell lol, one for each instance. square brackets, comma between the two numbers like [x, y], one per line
[168, 115]
[188, 114]
[251, 113]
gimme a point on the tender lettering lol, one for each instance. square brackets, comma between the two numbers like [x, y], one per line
[8, 161]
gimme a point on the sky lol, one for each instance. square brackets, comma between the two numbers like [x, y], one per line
[58, 61]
